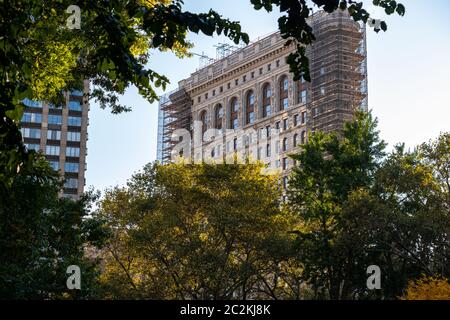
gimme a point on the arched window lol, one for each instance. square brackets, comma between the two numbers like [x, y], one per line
[284, 87]
[303, 137]
[295, 140]
[285, 144]
[204, 120]
[250, 108]
[234, 108]
[218, 116]
[267, 94]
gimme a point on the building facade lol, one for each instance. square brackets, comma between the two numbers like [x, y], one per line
[60, 132]
[248, 104]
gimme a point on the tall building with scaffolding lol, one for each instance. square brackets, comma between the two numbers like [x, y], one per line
[246, 100]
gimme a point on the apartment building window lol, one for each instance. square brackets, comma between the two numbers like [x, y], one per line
[285, 182]
[204, 120]
[31, 133]
[32, 146]
[214, 92]
[32, 103]
[244, 78]
[74, 121]
[206, 96]
[73, 136]
[75, 106]
[322, 71]
[285, 144]
[71, 167]
[278, 63]
[314, 112]
[268, 150]
[304, 118]
[235, 144]
[285, 124]
[302, 96]
[277, 125]
[52, 150]
[72, 152]
[250, 108]
[267, 131]
[295, 140]
[221, 89]
[32, 117]
[54, 135]
[234, 108]
[260, 71]
[284, 85]
[252, 74]
[322, 90]
[228, 85]
[218, 116]
[54, 119]
[267, 94]
[199, 99]
[71, 183]
[236, 82]
[284, 163]
[54, 165]
[268, 67]
[303, 137]
[277, 163]
[296, 120]
[77, 93]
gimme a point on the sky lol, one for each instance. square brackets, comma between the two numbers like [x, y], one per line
[408, 75]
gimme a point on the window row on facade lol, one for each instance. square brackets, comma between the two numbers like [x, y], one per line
[32, 117]
[266, 106]
[73, 104]
[35, 133]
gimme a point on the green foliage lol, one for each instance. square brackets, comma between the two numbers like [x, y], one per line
[41, 235]
[198, 232]
[359, 208]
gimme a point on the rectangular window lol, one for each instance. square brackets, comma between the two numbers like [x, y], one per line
[52, 150]
[74, 121]
[72, 152]
[77, 93]
[296, 120]
[267, 150]
[71, 183]
[75, 106]
[54, 119]
[32, 117]
[236, 82]
[31, 133]
[32, 103]
[277, 125]
[277, 146]
[268, 67]
[32, 146]
[54, 135]
[285, 163]
[73, 136]
[71, 167]
[54, 165]
[303, 96]
[285, 124]
[285, 103]
[304, 117]
[267, 131]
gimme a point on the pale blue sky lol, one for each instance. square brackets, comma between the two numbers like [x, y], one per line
[409, 90]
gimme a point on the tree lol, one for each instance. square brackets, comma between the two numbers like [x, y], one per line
[41, 57]
[198, 231]
[428, 288]
[359, 208]
[331, 167]
[41, 235]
